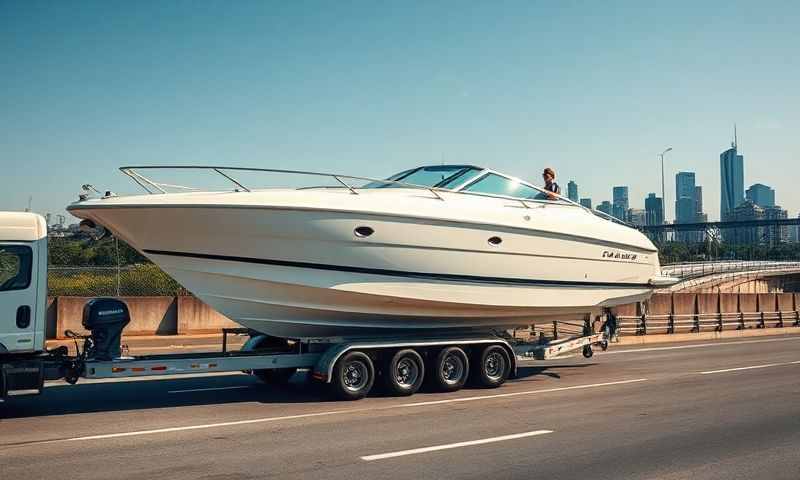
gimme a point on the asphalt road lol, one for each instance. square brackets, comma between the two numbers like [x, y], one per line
[723, 410]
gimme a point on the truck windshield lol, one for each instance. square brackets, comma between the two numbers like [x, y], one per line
[15, 267]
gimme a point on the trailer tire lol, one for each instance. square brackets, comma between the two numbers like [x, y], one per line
[353, 376]
[449, 371]
[491, 367]
[403, 373]
[275, 376]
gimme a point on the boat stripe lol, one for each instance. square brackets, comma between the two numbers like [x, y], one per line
[397, 273]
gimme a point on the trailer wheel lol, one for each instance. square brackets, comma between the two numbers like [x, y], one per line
[587, 351]
[492, 367]
[275, 376]
[449, 371]
[353, 376]
[403, 373]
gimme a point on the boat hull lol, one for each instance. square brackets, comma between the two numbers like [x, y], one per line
[301, 271]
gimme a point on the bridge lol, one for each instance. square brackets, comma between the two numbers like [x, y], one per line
[735, 276]
[707, 226]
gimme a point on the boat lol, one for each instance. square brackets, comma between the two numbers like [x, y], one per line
[433, 248]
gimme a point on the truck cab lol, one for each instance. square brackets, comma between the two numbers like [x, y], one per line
[23, 294]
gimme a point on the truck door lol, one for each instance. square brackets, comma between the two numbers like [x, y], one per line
[18, 291]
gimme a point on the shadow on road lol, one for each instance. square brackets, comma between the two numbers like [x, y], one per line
[62, 399]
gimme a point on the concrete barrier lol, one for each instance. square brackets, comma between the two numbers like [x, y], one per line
[149, 315]
[186, 315]
[729, 302]
[785, 302]
[708, 303]
[195, 317]
[748, 302]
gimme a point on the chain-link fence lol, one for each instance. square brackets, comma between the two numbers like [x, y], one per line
[80, 266]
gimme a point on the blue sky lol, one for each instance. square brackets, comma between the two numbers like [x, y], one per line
[593, 89]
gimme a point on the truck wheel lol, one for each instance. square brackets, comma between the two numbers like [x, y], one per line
[403, 373]
[275, 376]
[353, 376]
[492, 367]
[449, 371]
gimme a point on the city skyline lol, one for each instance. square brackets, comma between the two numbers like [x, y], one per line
[346, 88]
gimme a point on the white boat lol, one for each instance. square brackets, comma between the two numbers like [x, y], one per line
[438, 247]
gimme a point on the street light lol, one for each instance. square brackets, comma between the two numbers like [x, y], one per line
[663, 197]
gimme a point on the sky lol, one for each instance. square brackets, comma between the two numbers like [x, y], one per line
[593, 89]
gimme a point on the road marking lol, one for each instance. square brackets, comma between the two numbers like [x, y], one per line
[516, 394]
[315, 414]
[436, 448]
[699, 345]
[751, 367]
[209, 389]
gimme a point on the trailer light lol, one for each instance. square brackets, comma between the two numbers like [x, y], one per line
[212, 365]
[137, 369]
[160, 369]
[117, 369]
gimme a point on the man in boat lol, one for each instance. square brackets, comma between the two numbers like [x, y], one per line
[550, 185]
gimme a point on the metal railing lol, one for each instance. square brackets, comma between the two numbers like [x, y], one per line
[150, 185]
[700, 322]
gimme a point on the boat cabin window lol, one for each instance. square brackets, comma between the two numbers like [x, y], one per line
[440, 176]
[494, 184]
[15, 267]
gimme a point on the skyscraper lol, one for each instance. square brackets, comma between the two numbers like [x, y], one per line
[605, 207]
[731, 166]
[637, 216]
[572, 191]
[794, 232]
[685, 203]
[620, 204]
[586, 202]
[654, 211]
[698, 202]
[760, 194]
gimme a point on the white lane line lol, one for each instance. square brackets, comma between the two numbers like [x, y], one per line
[436, 448]
[516, 394]
[751, 367]
[698, 345]
[319, 414]
[210, 389]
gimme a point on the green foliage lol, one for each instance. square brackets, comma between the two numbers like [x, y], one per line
[85, 267]
[137, 280]
[676, 252]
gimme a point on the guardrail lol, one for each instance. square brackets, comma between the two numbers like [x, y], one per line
[698, 322]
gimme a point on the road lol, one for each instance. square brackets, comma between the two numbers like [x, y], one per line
[722, 410]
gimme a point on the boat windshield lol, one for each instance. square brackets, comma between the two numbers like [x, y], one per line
[439, 176]
[494, 184]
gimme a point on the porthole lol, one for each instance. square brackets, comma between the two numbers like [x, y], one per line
[363, 232]
[495, 241]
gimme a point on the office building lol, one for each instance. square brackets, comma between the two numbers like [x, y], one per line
[637, 216]
[605, 207]
[685, 203]
[572, 191]
[620, 204]
[760, 194]
[654, 210]
[586, 202]
[775, 234]
[794, 232]
[731, 166]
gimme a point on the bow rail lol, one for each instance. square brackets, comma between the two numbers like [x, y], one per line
[153, 187]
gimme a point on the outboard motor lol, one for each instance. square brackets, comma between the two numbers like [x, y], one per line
[105, 318]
